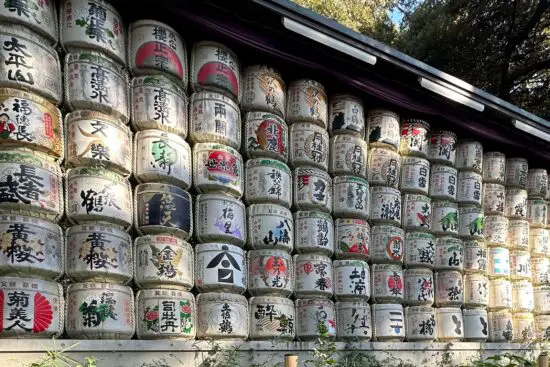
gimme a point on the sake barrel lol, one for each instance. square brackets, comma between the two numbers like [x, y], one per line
[164, 261]
[222, 316]
[154, 47]
[520, 264]
[165, 314]
[516, 203]
[476, 291]
[31, 246]
[493, 198]
[414, 137]
[162, 208]
[265, 135]
[449, 254]
[499, 262]
[471, 222]
[346, 115]
[32, 308]
[469, 188]
[215, 67]
[469, 156]
[268, 181]
[352, 280]
[160, 156]
[100, 311]
[352, 239]
[417, 212]
[387, 244]
[218, 168]
[419, 287]
[95, 82]
[385, 207]
[537, 214]
[443, 182]
[387, 283]
[388, 323]
[384, 167]
[311, 315]
[314, 232]
[348, 155]
[307, 102]
[522, 296]
[444, 218]
[442, 147]
[31, 121]
[351, 197]
[158, 102]
[91, 138]
[214, 117]
[542, 327]
[540, 271]
[524, 327]
[354, 320]
[541, 297]
[518, 234]
[309, 146]
[98, 252]
[419, 250]
[220, 267]
[383, 129]
[270, 272]
[496, 230]
[31, 185]
[537, 183]
[539, 241]
[415, 175]
[312, 189]
[450, 324]
[420, 323]
[494, 167]
[272, 318]
[314, 276]
[475, 257]
[30, 62]
[516, 172]
[501, 328]
[270, 227]
[39, 16]
[476, 325]
[449, 289]
[500, 294]
[263, 90]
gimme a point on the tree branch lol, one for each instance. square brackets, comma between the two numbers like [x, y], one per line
[529, 69]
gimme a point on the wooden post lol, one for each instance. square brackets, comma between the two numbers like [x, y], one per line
[291, 360]
[542, 360]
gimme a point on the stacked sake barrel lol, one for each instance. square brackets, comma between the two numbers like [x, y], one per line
[31, 194]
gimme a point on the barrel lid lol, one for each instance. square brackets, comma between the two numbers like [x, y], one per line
[314, 302]
[257, 115]
[255, 162]
[215, 96]
[350, 221]
[222, 297]
[443, 132]
[311, 214]
[343, 96]
[161, 187]
[383, 112]
[218, 246]
[311, 257]
[310, 82]
[271, 299]
[154, 23]
[163, 293]
[167, 81]
[155, 134]
[349, 178]
[350, 262]
[160, 239]
[425, 124]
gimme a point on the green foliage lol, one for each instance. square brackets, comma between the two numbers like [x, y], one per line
[58, 358]
[325, 349]
[222, 357]
[503, 360]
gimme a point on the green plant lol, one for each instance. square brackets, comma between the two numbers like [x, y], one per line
[58, 358]
[325, 349]
[222, 357]
[503, 360]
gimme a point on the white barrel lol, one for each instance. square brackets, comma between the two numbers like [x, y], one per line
[542, 327]
[220, 267]
[419, 287]
[499, 262]
[500, 294]
[312, 189]
[494, 167]
[98, 253]
[419, 250]
[540, 271]
[164, 261]
[518, 234]
[414, 137]
[443, 181]
[165, 314]
[469, 156]
[40, 16]
[541, 295]
[314, 232]
[496, 230]
[520, 264]
[31, 308]
[476, 291]
[100, 311]
[417, 212]
[268, 181]
[450, 324]
[383, 129]
[384, 167]
[516, 203]
[524, 327]
[523, 297]
[387, 244]
[272, 318]
[263, 90]
[469, 188]
[307, 102]
[444, 218]
[218, 168]
[162, 208]
[516, 172]
[475, 257]
[493, 198]
[420, 323]
[351, 197]
[387, 283]
[449, 254]
[348, 156]
[346, 115]
[313, 314]
[270, 227]
[501, 328]
[314, 276]
[449, 289]
[214, 117]
[537, 183]
[270, 273]
[471, 222]
[222, 316]
[352, 238]
[388, 323]
[476, 325]
[354, 320]
[385, 207]
[352, 280]
[539, 242]
[220, 218]
[265, 135]
[309, 146]
[537, 214]
[160, 156]
[415, 175]
[442, 147]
